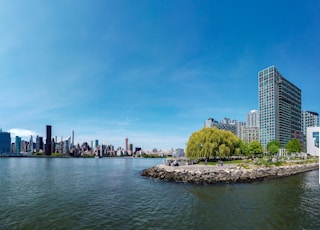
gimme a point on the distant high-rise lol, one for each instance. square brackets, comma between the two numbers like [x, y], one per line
[37, 144]
[72, 138]
[31, 144]
[48, 140]
[53, 145]
[309, 119]
[225, 124]
[41, 143]
[127, 144]
[5, 142]
[249, 134]
[253, 118]
[279, 108]
[18, 144]
[210, 123]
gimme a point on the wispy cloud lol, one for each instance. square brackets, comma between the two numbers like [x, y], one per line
[21, 132]
[126, 122]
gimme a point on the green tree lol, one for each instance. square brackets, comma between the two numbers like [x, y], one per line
[224, 151]
[294, 146]
[255, 148]
[211, 142]
[244, 148]
[273, 146]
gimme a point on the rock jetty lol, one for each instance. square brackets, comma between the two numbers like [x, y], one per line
[203, 174]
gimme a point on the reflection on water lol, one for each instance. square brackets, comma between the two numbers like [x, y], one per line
[110, 193]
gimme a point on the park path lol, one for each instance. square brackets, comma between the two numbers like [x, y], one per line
[198, 168]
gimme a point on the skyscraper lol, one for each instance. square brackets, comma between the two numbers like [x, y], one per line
[37, 144]
[279, 108]
[127, 144]
[31, 144]
[5, 142]
[41, 143]
[18, 144]
[253, 118]
[48, 141]
[72, 138]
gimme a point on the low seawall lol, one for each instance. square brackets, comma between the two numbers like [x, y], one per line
[224, 174]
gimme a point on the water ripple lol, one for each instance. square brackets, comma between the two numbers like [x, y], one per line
[111, 194]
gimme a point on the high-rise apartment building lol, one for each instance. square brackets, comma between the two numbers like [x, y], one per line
[309, 119]
[225, 124]
[253, 118]
[210, 123]
[279, 108]
[49, 140]
[249, 134]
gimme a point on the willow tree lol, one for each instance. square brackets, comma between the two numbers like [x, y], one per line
[212, 142]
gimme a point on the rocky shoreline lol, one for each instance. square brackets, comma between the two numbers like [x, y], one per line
[202, 174]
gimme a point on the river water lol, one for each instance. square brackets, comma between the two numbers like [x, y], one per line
[109, 193]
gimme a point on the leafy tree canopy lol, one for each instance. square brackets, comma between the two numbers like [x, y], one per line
[212, 142]
[273, 146]
[294, 146]
[244, 147]
[255, 148]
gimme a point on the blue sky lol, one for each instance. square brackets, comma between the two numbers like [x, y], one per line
[152, 71]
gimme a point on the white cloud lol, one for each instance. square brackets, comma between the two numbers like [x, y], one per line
[22, 132]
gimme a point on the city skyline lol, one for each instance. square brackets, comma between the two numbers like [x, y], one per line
[151, 71]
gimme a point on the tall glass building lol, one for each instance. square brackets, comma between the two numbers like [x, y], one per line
[5, 142]
[279, 108]
[18, 144]
[49, 140]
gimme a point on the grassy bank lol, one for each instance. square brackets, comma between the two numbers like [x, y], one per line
[264, 162]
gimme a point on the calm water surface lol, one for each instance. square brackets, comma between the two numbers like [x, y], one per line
[109, 193]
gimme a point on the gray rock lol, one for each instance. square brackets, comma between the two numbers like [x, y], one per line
[215, 174]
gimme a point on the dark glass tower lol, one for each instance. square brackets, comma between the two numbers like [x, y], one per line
[48, 141]
[5, 142]
[279, 108]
